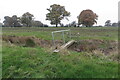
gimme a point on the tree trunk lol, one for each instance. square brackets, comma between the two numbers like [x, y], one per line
[56, 25]
[86, 25]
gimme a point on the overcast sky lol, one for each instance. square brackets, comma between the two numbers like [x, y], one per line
[105, 9]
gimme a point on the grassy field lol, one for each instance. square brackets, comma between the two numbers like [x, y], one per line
[41, 62]
[106, 33]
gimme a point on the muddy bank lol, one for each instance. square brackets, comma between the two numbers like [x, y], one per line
[96, 47]
[27, 41]
[104, 46]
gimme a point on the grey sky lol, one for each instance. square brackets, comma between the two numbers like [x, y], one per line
[106, 9]
[119, 11]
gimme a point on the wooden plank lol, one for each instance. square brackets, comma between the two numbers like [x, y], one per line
[65, 46]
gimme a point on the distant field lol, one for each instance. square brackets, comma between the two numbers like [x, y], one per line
[40, 62]
[105, 33]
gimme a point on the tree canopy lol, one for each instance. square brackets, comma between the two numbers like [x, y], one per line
[108, 23]
[11, 21]
[56, 14]
[87, 18]
[26, 19]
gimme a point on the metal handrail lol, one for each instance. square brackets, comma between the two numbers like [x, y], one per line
[62, 35]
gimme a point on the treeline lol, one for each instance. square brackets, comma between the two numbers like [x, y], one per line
[26, 19]
[108, 23]
[55, 14]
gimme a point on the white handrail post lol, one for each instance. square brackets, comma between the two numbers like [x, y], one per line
[63, 37]
[70, 34]
[53, 38]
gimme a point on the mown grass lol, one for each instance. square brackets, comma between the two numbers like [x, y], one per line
[38, 62]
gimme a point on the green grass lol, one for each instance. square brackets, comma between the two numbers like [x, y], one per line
[21, 62]
[105, 33]
[38, 62]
